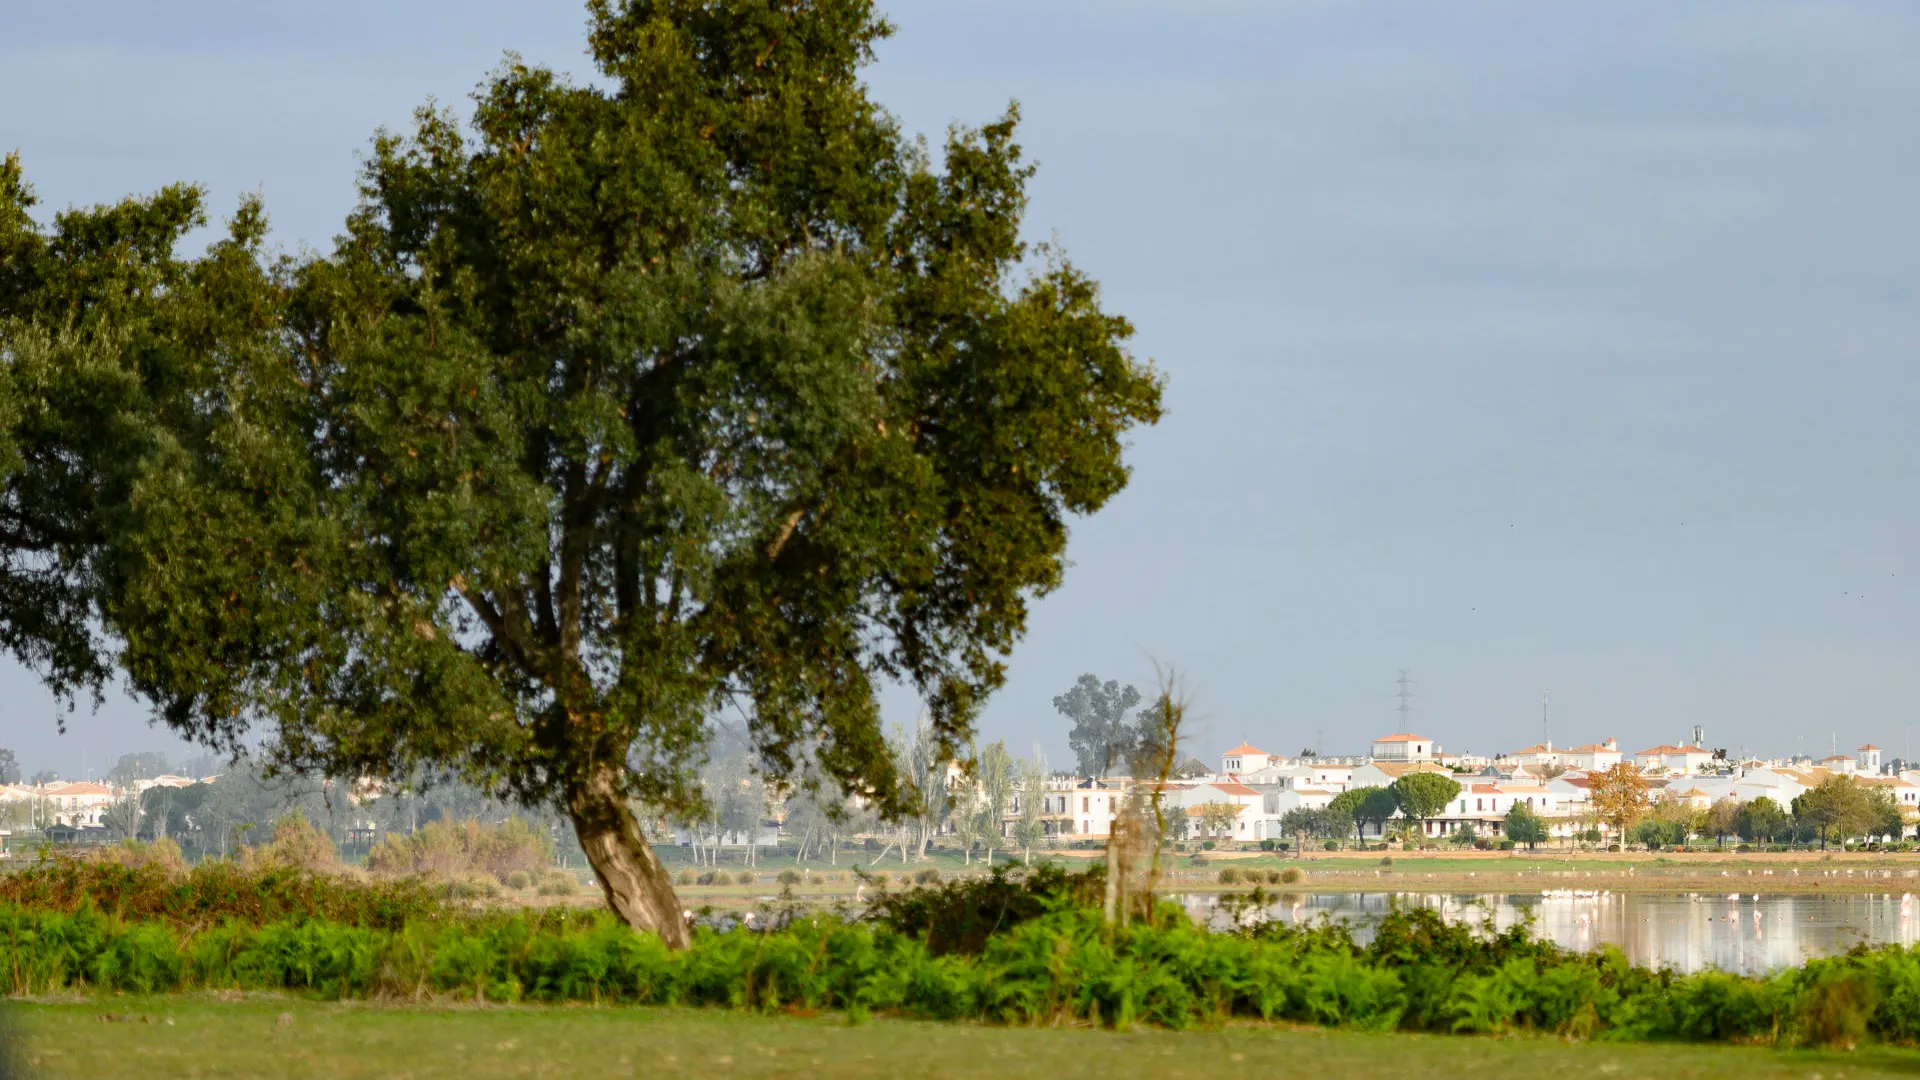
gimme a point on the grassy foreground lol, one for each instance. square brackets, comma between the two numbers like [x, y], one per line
[260, 1035]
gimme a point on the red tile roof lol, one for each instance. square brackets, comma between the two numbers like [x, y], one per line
[82, 788]
[1235, 789]
[1247, 748]
[1402, 738]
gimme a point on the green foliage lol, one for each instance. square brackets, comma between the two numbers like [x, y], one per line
[163, 856]
[1838, 809]
[1229, 875]
[1421, 795]
[697, 378]
[519, 879]
[1523, 826]
[214, 891]
[1060, 965]
[1104, 734]
[296, 845]
[450, 849]
[959, 916]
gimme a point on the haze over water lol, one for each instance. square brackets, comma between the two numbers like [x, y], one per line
[1753, 935]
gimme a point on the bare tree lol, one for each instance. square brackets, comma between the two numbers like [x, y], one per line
[1032, 826]
[1141, 827]
[122, 818]
[923, 761]
[994, 775]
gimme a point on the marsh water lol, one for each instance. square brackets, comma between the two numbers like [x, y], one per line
[1752, 934]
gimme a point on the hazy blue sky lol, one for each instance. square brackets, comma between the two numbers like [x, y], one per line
[1521, 345]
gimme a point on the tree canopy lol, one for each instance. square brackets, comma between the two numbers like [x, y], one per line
[1619, 796]
[1523, 826]
[1422, 795]
[1761, 819]
[1838, 808]
[1104, 734]
[699, 388]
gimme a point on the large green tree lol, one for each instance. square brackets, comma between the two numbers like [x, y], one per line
[1761, 819]
[1838, 808]
[1523, 826]
[699, 388]
[1422, 795]
[1105, 733]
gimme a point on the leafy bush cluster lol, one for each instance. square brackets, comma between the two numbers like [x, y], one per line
[148, 882]
[962, 915]
[297, 844]
[461, 849]
[1233, 875]
[1062, 964]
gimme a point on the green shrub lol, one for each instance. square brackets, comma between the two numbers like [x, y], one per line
[215, 891]
[297, 844]
[473, 886]
[1198, 860]
[452, 849]
[687, 876]
[928, 876]
[1291, 876]
[162, 855]
[1062, 965]
[559, 883]
[1331, 845]
[519, 879]
[1229, 875]
[961, 915]
[1207, 845]
[790, 877]
[1273, 877]
[1038, 953]
[1506, 845]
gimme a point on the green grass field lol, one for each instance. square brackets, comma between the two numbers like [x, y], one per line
[200, 1036]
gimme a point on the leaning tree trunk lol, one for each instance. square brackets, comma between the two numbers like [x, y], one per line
[637, 886]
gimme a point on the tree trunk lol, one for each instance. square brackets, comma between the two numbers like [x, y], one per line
[637, 886]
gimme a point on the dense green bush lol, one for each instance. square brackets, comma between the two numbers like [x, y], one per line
[1419, 973]
[216, 891]
[1230, 875]
[459, 849]
[960, 916]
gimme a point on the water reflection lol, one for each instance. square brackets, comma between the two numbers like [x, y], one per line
[1748, 933]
